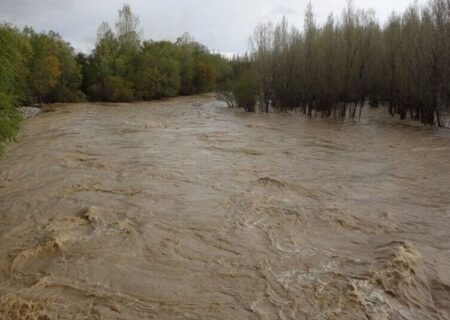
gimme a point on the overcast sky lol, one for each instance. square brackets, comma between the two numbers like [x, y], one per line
[222, 25]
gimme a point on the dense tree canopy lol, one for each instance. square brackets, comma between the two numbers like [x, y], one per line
[122, 67]
[54, 74]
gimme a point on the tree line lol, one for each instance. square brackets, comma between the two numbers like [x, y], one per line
[334, 69]
[122, 67]
[331, 69]
[37, 68]
[34, 67]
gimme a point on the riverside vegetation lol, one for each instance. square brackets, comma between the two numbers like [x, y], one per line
[185, 209]
[331, 70]
[43, 68]
[335, 68]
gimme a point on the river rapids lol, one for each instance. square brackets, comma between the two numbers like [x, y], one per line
[185, 209]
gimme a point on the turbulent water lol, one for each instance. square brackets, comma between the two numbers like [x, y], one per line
[184, 209]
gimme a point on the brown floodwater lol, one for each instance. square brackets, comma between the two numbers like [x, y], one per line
[184, 209]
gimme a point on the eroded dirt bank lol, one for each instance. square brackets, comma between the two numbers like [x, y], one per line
[186, 210]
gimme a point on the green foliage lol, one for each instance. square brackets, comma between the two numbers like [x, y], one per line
[13, 58]
[42, 67]
[33, 67]
[44, 75]
[245, 91]
[118, 89]
[158, 71]
[148, 70]
[240, 88]
[67, 88]
[55, 75]
[10, 118]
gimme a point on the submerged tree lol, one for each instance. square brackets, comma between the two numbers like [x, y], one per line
[334, 69]
[262, 57]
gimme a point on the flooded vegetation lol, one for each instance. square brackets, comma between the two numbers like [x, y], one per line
[307, 179]
[333, 69]
[186, 209]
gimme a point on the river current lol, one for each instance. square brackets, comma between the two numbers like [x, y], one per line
[185, 209]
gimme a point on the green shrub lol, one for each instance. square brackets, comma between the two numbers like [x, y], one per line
[10, 117]
[244, 91]
[117, 89]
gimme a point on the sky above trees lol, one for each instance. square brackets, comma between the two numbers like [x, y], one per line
[224, 26]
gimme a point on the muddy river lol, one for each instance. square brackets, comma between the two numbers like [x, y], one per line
[184, 209]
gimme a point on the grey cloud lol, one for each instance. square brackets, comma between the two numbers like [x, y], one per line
[283, 10]
[223, 25]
